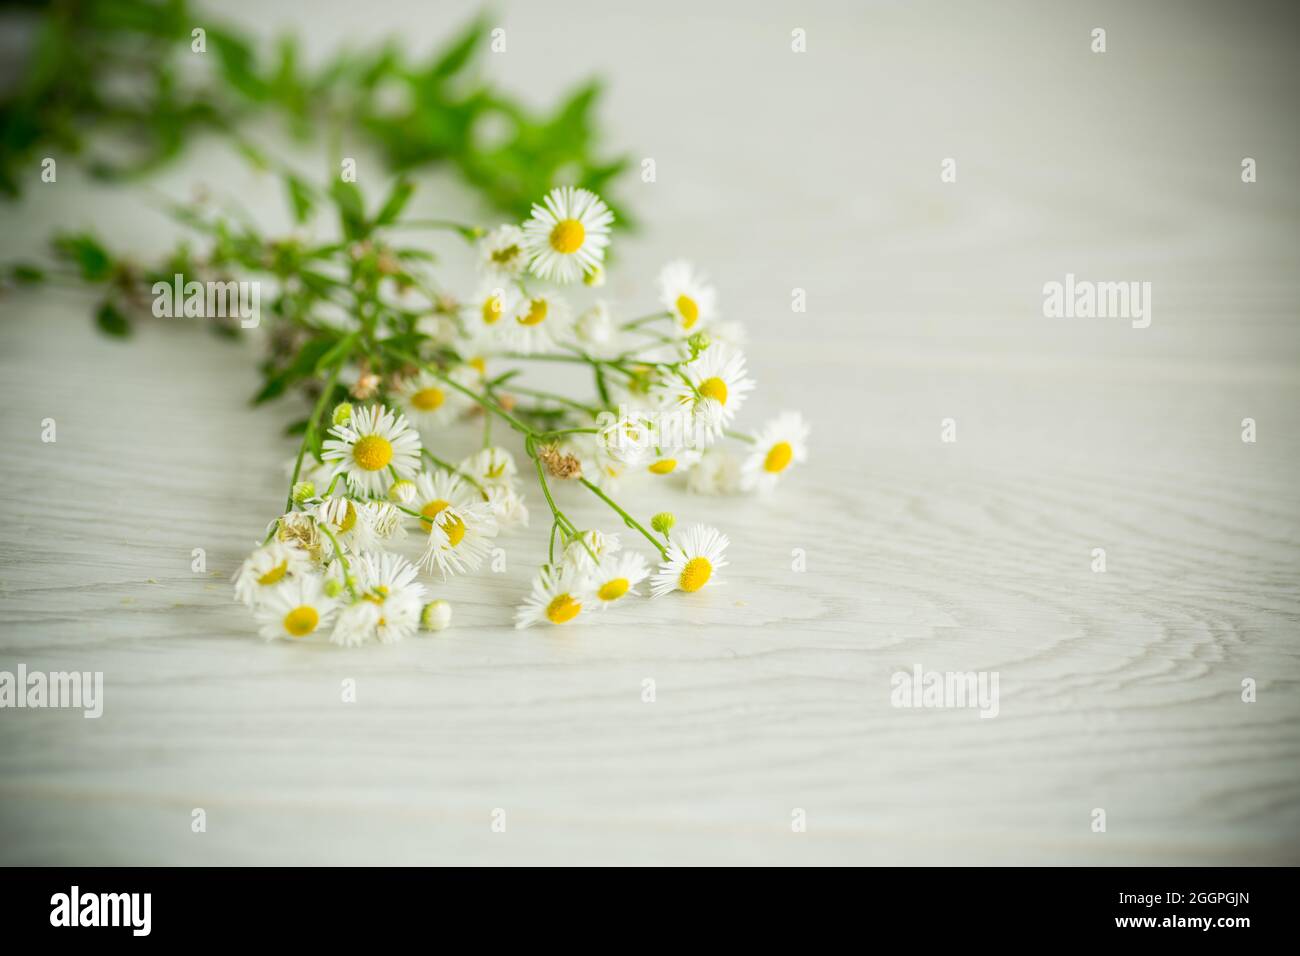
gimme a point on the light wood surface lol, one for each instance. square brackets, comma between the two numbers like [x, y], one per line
[1119, 691]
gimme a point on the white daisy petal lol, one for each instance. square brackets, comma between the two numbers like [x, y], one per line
[693, 559]
[567, 234]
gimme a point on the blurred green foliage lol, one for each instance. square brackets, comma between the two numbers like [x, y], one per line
[125, 70]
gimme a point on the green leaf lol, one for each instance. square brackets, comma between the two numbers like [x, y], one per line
[85, 251]
[301, 198]
[352, 210]
[396, 202]
[28, 274]
[340, 348]
[111, 321]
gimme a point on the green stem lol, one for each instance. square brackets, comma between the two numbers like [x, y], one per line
[447, 466]
[338, 553]
[740, 436]
[310, 431]
[627, 518]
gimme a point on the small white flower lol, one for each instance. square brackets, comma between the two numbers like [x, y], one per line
[716, 473]
[688, 296]
[538, 323]
[389, 601]
[630, 440]
[585, 551]
[297, 609]
[557, 597]
[491, 466]
[459, 523]
[298, 529]
[267, 568]
[501, 253]
[693, 558]
[429, 402]
[777, 445]
[385, 520]
[617, 576]
[370, 446]
[672, 461]
[348, 521]
[596, 332]
[567, 234]
[717, 389]
[487, 313]
[507, 507]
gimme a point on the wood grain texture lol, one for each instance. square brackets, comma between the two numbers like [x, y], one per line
[1118, 690]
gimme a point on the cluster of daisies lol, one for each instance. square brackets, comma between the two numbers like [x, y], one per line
[378, 506]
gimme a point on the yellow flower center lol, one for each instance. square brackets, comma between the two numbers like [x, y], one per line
[695, 575]
[536, 313]
[714, 388]
[491, 309]
[778, 457]
[563, 609]
[378, 594]
[301, 621]
[429, 399]
[275, 574]
[349, 519]
[452, 525]
[613, 590]
[478, 365]
[688, 310]
[567, 236]
[664, 466]
[372, 453]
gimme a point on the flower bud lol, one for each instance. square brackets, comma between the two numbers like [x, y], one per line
[663, 522]
[698, 342]
[435, 616]
[402, 492]
[595, 278]
[303, 491]
[342, 413]
[333, 587]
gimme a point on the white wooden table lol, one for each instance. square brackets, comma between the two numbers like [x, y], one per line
[1119, 691]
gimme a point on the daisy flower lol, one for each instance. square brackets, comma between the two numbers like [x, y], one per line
[501, 254]
[491, 466]
[538, 322]
[295, 610]
[298, 530]
[390, 604]
[716, 473]
[693, 557]
[717, 388]
[486, 313]
[371, 445]
[672, 461]
[688, 296]
[557, 597]
[267, 568]
[596, 332]
[507, 507]
[460, 528]
[429, 402]
[616, 577]
[779, 443]
[629, 440]
[348, 521]
[567, 234]
[585, 551]
[385, 519]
